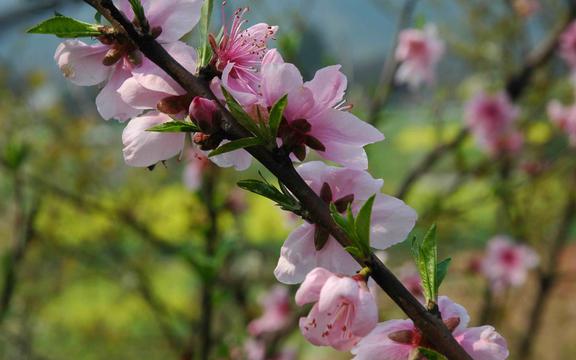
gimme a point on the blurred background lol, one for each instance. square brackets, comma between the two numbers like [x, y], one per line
[103, 261]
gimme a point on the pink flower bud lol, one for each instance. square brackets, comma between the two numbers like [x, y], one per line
[204, 113]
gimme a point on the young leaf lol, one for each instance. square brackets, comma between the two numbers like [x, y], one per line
[206, 14]
[441, 271]
[276, 114]
[354, 251]
[240, 115]
[341, 221]
[139, 12]
[65, 27]
[426, 262]
[236, 145]
[362, 223]
[431, 354]
[175, 126]
[268, 191]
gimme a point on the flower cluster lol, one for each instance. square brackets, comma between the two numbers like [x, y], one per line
[315, 118]
[492, 120]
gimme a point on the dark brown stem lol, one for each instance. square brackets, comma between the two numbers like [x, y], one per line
[386, 82]
[515, 87]
[548, 276]
[281, 166]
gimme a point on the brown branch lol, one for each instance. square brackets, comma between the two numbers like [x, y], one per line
[548, 276]
[515, 87]
[281, 166]
[386, 82]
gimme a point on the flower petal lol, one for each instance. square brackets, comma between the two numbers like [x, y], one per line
[176, 17]
[296, 256]
[336, 290]
[109, 102]
[309, 290]
[392, 221]
[82, 63]
[279, 80]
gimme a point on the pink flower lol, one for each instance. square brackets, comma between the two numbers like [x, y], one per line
[400, 339]
[240, 53]
[491, 119]
[567, 45]
[115, 59]
[564, 117]
[144, 148]
[410, 277]
[150, 87]
[344, 309]
[309, 246]
[418, 51]
[506, 263]
[256, 350]
[276, 315]
[314, 117]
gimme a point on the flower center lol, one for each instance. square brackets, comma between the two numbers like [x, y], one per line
[296, 136]
[321, 235]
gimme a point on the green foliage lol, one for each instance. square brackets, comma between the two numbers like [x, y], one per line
[357, 229]
[241, 116]
[431, 354]
[282, 197]
[204, 52]
[175, 126]
[139, 12]
[432, 272]
[66, 27]
[276, 114]
[236, 145]
[14, 154]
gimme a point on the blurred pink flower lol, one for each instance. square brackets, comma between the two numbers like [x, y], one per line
[567, 45]
[409, 276]
[256, 350]
[418, 52]
[315, 117]
[491, 119]
[115, 59]
[240, 53]
[196, 163]
[564, 117]
[400, 339]
[506, 263]
[277, 312]
[344, 309]
[308, 246]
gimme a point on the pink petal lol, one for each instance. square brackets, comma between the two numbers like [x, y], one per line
[272, 57]
[109, 102]
[176, 17]
[279, 80]
[334, 258]
[483, 343]
[145, 148]
[82, 63]
[449, 309]
[238, 159]
[309, 290]
[328, 87]
[336, 290]
[392, 221]
[138, 97]
[366, 313]
[296, 256]
[378, 346]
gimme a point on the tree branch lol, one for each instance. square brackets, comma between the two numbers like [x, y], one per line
[281, 166]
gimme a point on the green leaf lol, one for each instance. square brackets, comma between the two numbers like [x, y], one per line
[431, 354]
[240, 115]
[175, 126]
[276, 114]
[441, 271]
[362, 223]
[236, 145]
[262, 188]
[354, 251]
[66, 27]
[427, 260]
[139, 12]
[341, 221]
[15, 154]
[206, 14]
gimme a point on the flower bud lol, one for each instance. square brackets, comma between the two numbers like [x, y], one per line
[204, 113]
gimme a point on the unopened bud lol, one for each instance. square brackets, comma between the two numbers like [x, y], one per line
[173, 105]
[204, 113]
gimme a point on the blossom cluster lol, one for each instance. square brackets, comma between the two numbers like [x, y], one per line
[316, 119]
